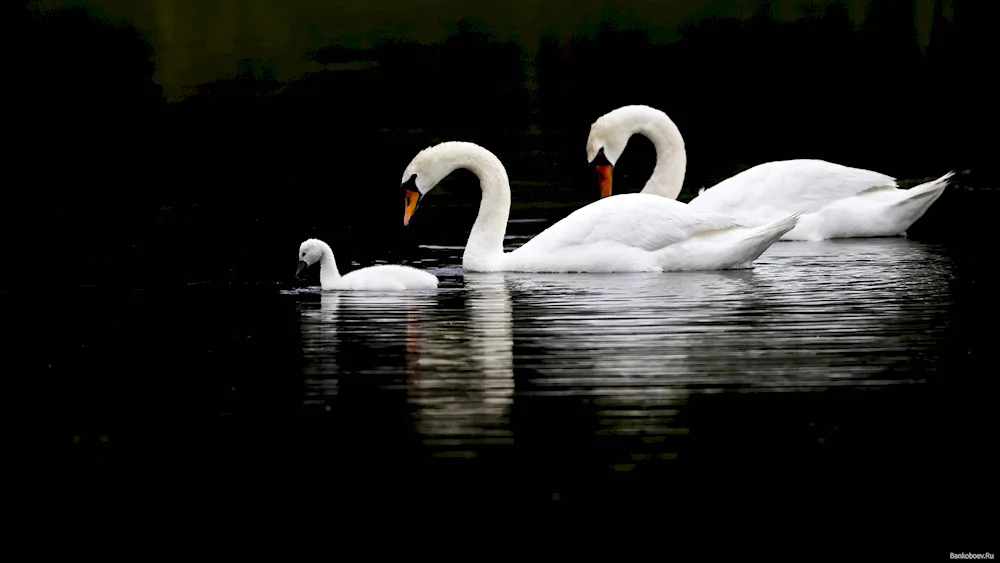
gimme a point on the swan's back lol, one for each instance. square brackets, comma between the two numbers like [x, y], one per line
[389, 277]
[640, 221]
[788, 186]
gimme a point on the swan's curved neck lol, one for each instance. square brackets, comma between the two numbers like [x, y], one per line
[671, 158]
[484, 251]
[328, 272]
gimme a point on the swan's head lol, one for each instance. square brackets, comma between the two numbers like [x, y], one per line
[310, 252]
[609, 136]
[421, 175]
[433, 164]
[605, 145]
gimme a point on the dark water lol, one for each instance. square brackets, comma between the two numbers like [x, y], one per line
[829, 365]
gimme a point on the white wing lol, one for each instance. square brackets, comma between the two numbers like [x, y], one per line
[789, 186]
[637, 221]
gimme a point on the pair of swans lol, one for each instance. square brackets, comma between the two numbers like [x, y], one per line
[626, 233]
[727, 227]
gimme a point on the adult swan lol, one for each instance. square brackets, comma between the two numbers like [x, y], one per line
[836, 201]
[628, 233]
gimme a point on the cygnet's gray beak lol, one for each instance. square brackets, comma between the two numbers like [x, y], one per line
[302, 268]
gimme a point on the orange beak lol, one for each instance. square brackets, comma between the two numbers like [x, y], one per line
[604, 178]
[410, 199]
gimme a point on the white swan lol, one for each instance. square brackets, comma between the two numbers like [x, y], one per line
[628, 233]
[836, 201]
[381, 277]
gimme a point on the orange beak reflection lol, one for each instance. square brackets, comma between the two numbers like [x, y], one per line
[410, 199]
[604, 178]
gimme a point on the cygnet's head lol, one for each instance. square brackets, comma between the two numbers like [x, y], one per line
[310, 251]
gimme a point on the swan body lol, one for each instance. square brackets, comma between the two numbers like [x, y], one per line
[836, 201]
[377, 278]
[629, 233]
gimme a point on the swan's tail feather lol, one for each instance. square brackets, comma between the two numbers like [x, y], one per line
[754, 241]
[932, 189]
[733, 248]
[775, 230]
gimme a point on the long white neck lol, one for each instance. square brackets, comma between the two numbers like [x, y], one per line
[484, 250]
[329, 275]
[671, 157]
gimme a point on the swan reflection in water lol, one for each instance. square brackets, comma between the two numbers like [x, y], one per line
[808, 317]
[454, 365]
[808, 314]
[463, 380]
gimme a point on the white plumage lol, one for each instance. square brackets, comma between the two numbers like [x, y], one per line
[388, 277]
[836, 201]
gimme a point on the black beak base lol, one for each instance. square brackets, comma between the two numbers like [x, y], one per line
[411, 184]
[300, 269]
[600, 159]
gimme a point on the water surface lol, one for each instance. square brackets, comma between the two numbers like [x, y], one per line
[822, 357]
